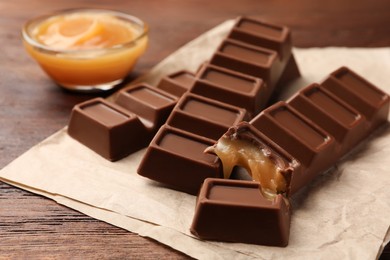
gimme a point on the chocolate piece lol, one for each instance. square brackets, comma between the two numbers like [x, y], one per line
[176, 158]
[236, 211]
[211, 118]
[288, 144]
[151, 105]
[231, 87]
[105, 128]
[177, 83]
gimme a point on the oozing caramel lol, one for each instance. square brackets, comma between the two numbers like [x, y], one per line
[236, 152]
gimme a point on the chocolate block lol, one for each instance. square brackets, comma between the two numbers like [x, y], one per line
[107, 129]
[177, 83]
[151, 105]
[231, 87]
[204, 116]
[236, 211]
[176, 158]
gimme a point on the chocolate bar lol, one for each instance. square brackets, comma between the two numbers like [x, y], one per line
[241, 75]
[286, 146]
[116, 130]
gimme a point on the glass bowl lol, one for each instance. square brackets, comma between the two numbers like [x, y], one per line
[87, 70]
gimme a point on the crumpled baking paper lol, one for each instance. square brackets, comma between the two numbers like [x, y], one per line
[342, 214]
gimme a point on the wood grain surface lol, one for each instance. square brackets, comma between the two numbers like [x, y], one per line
[32, 107]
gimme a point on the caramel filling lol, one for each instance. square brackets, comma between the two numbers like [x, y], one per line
[236, 152]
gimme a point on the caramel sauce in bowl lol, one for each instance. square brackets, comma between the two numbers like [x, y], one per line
[86, 50]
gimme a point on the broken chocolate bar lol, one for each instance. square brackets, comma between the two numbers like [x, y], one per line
[240, 74]
[290, 143]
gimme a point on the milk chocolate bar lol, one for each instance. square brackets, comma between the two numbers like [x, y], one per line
[116, 130]
[290, 143]
[240, 74]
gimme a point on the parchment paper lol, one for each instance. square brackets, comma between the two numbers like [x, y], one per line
[343, 214]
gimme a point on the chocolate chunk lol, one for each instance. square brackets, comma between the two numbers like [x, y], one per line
[104, 127]
[236, 211]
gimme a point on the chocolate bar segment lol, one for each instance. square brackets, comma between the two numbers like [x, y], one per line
[177, 83]
[104, 127]
[231, 87]
[210, 118]
[236, 211]
[176, 158]
[151, 105]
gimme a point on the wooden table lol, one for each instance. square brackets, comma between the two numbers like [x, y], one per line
[32, 107]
